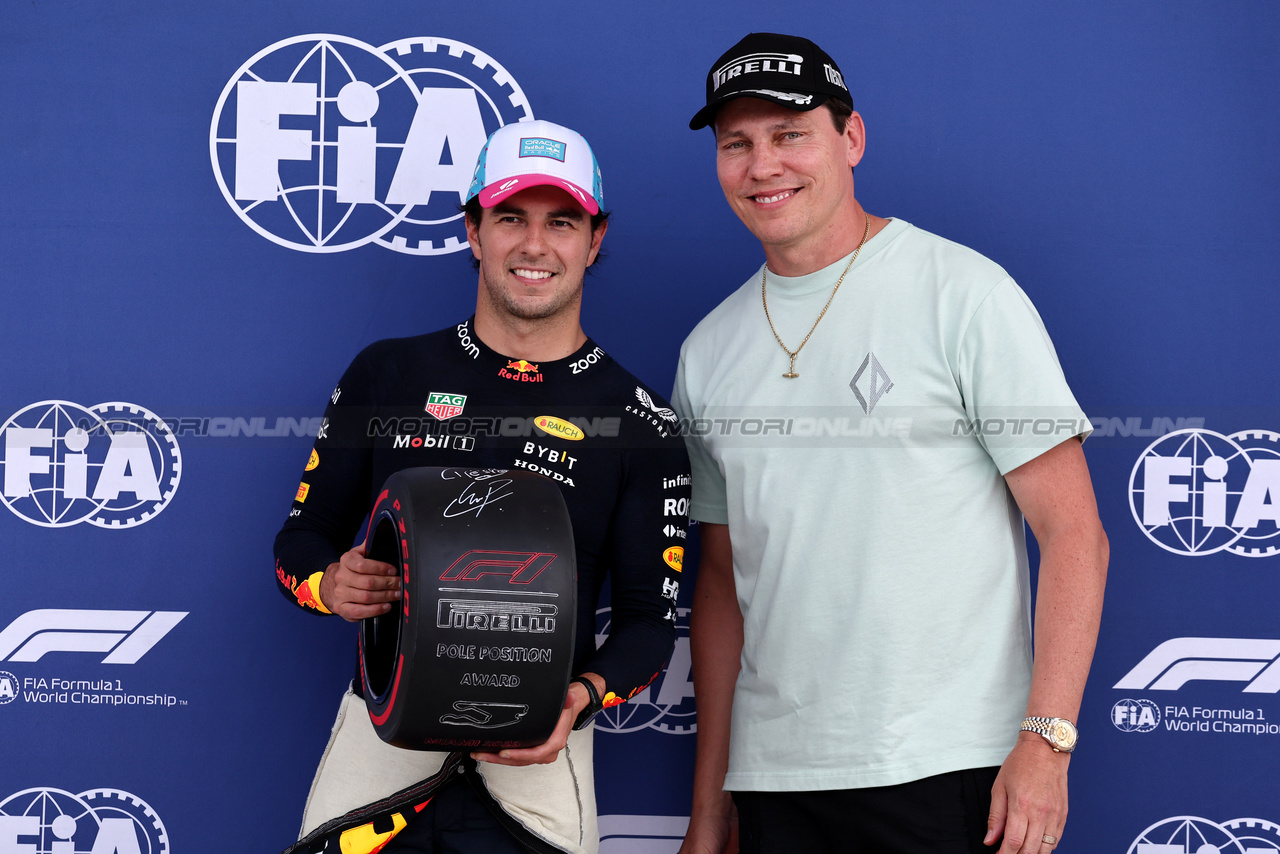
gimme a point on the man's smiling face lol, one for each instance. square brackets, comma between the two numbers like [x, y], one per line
[784, 172]
[534, 249]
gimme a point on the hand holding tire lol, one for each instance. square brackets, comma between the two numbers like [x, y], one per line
[356, 587]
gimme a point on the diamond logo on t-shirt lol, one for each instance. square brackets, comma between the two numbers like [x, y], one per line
[878, 383]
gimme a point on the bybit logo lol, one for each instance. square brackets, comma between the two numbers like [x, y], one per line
[323, 143]
[113, 465]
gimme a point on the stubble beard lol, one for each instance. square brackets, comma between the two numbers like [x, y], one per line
[506, 303]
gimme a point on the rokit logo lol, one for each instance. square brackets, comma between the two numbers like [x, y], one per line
[1188, 834]
[114, 465]
[323, 143]
[97, 821]
[667, 703]
[1197, 492]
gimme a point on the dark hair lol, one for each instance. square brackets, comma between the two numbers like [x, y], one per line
[474, 212]
[840, 113]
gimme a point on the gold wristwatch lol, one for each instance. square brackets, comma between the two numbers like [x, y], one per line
[1059, 732]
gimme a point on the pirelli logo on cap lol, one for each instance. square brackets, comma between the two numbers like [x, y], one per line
[303, 489]
[773, 61]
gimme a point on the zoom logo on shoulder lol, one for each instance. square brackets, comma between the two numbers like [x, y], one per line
[1197, 492]
[322, 143]
[97, 821]
[114, 465]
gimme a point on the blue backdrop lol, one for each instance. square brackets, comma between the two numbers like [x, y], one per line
[170, 338]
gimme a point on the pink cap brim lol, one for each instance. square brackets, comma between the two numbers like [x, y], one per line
[495, 193]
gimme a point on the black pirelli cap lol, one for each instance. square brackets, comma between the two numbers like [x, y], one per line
[788, 70]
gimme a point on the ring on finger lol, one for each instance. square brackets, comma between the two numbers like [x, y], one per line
[1047, 839]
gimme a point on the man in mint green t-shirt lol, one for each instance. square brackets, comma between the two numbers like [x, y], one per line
[870, 417]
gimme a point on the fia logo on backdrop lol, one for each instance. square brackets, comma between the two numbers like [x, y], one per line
[1197, 492]
[322, 143]
[98, 821]
[1187, 834]
[114, 465]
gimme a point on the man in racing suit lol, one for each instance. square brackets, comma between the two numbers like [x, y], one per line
[473, 395]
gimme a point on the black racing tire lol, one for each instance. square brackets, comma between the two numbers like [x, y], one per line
[478, 653]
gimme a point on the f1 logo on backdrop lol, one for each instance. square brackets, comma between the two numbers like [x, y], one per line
[114, 465]
[99, 821]
[1178, 661]
[322, 143]
[125, 636]
[1196, 492]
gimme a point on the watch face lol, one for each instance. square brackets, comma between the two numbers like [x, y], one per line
[1062, 735]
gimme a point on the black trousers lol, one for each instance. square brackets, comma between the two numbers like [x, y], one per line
[455, 822]
[946, 814]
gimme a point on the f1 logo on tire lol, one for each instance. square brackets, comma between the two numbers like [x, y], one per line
[515, 567]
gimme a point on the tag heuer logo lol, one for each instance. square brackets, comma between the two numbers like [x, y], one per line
[443, 405]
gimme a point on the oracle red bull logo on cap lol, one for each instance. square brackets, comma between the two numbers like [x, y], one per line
[540, 147]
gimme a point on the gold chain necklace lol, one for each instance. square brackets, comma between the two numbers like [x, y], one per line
[764, 296]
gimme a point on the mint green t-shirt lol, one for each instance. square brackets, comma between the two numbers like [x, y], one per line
[879, 558]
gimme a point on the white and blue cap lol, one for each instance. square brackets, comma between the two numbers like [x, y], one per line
[533, 153]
